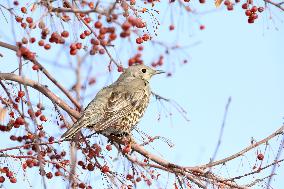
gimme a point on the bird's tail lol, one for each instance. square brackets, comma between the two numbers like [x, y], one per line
[71, 132]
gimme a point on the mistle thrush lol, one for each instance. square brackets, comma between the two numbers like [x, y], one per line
[117, 108]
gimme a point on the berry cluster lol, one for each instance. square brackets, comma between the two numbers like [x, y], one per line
[25, 52]
[160, 62]
[9, 174]
[251, 11]
[136, 59]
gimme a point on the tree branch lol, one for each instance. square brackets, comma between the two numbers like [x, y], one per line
[278, 5]
[41, 88]
[274, 134]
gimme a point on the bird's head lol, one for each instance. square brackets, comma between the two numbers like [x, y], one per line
[140, 71]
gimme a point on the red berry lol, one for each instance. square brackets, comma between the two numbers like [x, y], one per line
[227, 2]
[32, 40]
[16, 3]
[103, 42]
[37, 113]
[201, 27]
[73, 46]
[41, 43]
[30, 111]
[21, 94]
[260, 9]
[132, 2]
[91, 5]
[23, 25]
[250, 20]
[81, 163]
[98, 24]
[120, 69]
[245, 6]
[51, 139]
[230, 7]
[140, 48]
[19, 121]
[24, 9]
[47, 46]
[125, 26]
[129, 177]
[82, 36]
[201, 1]
[145, 37]
[9, 174]
[254, 16]
[260, 157]
[248, 12]
[82, 185]
[2, 179]
[24, 166]
[105, 169]
[139, 23]
[29, 20]
[49, 175]
[35, 67]
[24, 40]
[102, 51]
[87, 32]
[19, 19]
[112, 36]
[254, 9]
[12, 114]
[90, 167]
[92, 81]
[65, 34]
[6, 169]
[78, 45]
[13, 137]
[108, 147]
[13, 180]
[172, 27]
[73, 51]
[139, 40]
[103, 31]
[42, 118]
[57, 173]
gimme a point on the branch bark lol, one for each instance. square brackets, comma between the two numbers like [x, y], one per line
[41, 88]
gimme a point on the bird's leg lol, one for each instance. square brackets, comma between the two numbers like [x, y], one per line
[129, 141]
[125, 138]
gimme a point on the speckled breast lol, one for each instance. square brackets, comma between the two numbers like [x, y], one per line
[128, 122]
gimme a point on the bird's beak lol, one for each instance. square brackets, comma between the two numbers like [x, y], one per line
[159, 72]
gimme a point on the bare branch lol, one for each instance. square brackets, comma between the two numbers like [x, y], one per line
[41, 88]
[254, 145]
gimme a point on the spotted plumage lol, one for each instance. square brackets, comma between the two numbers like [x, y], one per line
[116, 109]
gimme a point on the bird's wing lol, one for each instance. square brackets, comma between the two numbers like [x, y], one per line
[109, 105]
[120, 103]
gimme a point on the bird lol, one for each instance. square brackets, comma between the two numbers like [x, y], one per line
[117, 108]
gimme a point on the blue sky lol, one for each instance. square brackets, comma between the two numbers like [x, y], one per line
[237, 60]
[232, 59]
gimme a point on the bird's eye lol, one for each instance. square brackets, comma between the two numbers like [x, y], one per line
[143, 70]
